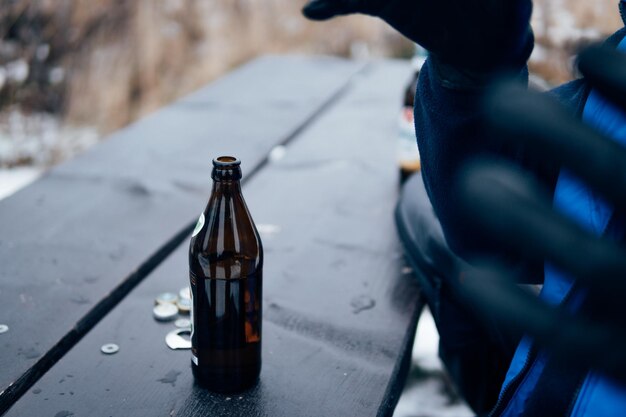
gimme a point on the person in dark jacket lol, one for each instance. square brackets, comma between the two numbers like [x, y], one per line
[470, 44]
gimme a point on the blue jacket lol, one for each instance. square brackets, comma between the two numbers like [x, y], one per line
[449, 132]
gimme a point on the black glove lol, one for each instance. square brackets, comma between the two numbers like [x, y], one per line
[475, 35]
[512, 207]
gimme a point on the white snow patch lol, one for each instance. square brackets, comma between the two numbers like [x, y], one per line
[426, 399]
[17, 71]
[428, 394]
[31, 143]
[11, 180]
[40, 139]
[426, 346]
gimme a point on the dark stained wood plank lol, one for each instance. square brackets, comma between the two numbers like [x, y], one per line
[75, 242]
[339, 315]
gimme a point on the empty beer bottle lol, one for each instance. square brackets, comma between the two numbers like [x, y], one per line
[225, 272]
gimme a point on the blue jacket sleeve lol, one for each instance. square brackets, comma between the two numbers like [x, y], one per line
[449, 129]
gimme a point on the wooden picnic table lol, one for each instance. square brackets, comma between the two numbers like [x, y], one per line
[86, 249]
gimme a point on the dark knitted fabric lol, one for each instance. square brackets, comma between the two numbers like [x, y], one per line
[449, 131]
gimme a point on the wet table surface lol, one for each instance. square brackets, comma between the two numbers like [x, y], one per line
[87, 248]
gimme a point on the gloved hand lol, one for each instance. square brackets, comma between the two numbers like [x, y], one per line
[510, 205]
[474, 35]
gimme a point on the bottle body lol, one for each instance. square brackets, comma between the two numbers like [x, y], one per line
[226, 281]
[226, 346]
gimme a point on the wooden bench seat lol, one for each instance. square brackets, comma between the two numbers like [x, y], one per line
[339, 314]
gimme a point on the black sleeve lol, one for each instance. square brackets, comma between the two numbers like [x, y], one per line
[449, 128]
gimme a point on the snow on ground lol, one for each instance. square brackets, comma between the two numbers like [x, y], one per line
[428, 393]
[40, 139]
[13, 179]
[31, 143]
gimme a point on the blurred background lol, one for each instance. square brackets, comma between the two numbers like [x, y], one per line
[72, 71]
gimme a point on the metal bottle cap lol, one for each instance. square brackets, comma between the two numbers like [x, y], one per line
[174, 339]
[184, 293]
[184, 305]
[166, 298]
[183, 323]
[165, 312]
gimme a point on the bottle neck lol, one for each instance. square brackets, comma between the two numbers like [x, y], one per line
[226, 176]
[226, 187]
[228, 173]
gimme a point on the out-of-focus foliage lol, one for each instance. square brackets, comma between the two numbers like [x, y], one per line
[563, 27]
[106, 62]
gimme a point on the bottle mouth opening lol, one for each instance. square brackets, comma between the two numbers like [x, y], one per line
[226, 168]
[226, 162]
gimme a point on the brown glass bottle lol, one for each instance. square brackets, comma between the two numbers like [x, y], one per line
[225, 272]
